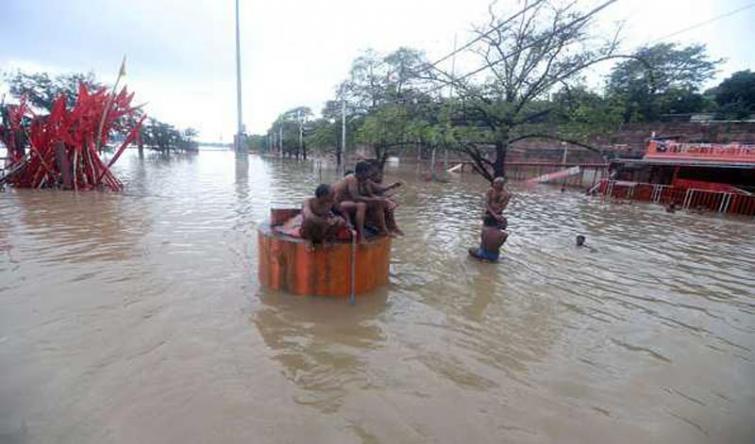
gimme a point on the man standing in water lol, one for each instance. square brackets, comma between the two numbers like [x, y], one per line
[319, 222]
[496, 200]
[491, 239]
[354, 204]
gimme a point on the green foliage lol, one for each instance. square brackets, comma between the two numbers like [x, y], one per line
[257, 143]
[42, 90]
[289, 124]
[661, 79]
[529, 86]
[735, 96]
[164, 137]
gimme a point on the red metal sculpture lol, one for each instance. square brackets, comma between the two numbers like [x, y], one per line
[65, 146]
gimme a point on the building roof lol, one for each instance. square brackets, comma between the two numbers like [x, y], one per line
[685, 163]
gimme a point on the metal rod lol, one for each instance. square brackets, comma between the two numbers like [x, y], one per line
[301, 132]
[352, 295]
[108, 104]
[239, 125]
[343, 132]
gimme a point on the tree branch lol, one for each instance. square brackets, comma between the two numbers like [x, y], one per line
[559, 138]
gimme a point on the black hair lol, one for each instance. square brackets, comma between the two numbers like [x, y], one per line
[362, 168]
[322, 190]
[347, 172]
[580, 239]
[490, 221]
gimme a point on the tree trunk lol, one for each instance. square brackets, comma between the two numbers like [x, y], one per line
[501, 146]
[64, 165]
[383, 159]
[339, 150]
[20, 142]
[500, 159]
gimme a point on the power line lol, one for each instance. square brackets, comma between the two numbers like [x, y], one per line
[467, 45]
[530, 45]
[482, 36]
[706, 22]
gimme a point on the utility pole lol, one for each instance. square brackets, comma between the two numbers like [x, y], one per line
[450, 98]
[563, 162]
[343, 132]
[301, 134]
[239, 124]
[280, 139]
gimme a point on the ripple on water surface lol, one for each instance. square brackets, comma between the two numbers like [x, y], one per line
[141, 312]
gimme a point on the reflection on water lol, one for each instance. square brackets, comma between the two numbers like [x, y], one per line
[319, 342]
[137, 317]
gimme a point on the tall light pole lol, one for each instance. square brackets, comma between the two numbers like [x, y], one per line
[239, 124]
[342, 154]
[301, 134]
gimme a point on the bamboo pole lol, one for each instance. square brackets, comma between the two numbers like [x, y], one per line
[108, 103]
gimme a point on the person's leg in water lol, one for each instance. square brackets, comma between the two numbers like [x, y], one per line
[390, 218]
[376, 214]
[484, 255]
[356, 212]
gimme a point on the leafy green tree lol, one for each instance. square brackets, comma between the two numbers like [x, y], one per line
[735, 96]
[661, 79]
[385, 98]
[257, 142]
[42, 90]
[522, 61]
[293, 125]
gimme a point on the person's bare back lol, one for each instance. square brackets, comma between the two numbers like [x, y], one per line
[491, 239]
[319, 223]
[343, 187]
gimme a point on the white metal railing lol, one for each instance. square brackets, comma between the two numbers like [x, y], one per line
[689, 197]
[719, 201]
[658, 192]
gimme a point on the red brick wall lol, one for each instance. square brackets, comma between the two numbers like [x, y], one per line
[631, 138]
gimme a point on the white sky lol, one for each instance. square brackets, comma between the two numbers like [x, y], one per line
[181, 53]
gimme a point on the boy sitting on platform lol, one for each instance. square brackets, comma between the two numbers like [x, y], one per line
[374, 187]
[351, 200]
[319, 222]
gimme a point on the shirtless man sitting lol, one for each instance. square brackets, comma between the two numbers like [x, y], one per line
[491, 239]
[496, 200]
[319, 222]
[374, 187]
[351, 202]
[351, 192]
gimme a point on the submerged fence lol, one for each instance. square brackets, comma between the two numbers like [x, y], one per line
[687, 198]
[590, 173]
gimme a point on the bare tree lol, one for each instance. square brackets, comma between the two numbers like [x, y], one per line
[524, 58]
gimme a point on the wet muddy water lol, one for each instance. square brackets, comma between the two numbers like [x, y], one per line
[137, 317]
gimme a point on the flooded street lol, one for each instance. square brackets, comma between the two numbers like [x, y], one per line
[137, 317]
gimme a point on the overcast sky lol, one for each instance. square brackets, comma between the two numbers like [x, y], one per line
[181, 52]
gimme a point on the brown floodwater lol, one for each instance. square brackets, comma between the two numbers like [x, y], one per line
[137, 317]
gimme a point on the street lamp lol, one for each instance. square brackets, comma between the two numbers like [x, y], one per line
[238, 140]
